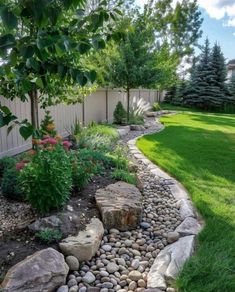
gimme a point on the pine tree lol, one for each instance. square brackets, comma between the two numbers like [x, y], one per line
[231, 86]
[208, 88]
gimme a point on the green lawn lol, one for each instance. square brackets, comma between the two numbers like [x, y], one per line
[199, 150]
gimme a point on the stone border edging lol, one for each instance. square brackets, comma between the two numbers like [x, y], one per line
[171, 259]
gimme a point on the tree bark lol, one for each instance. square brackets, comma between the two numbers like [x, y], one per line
[128, 105]
[34, 108]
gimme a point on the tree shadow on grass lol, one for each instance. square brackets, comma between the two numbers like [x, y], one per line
[202, 152]
[215, 119]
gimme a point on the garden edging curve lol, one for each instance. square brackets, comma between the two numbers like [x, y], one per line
[171, 259]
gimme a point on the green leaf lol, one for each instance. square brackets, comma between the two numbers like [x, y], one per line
[9, 129]
[5, 110]
[7, 41]
[84, 47]
[26, 85]
[27, 52]
[39, 83]
[8, 18]
[92, 76]
[81, 78]
[26, 131]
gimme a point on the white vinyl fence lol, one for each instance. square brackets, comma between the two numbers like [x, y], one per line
[98, 107]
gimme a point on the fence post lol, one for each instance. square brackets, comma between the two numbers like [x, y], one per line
[107, 104]
[83, 112]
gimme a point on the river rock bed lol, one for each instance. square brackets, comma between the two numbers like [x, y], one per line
[124, 259]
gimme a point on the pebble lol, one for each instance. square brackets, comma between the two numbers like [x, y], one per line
[72, 262]
[63, 288]
[89, 278]
[135, 275]
[112, 268]
[125, 258]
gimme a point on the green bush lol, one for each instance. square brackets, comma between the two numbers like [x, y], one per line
[49, 235]
[6, 163]
[124, 175]
[156, 107]
[119, 114]
[136, 119]
[85, 164]
[95, 142]
[47, 180]
[11, 184]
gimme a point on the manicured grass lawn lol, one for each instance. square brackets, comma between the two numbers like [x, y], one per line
[199, 150]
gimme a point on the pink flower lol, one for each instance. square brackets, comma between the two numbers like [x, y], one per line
[20, 165]
[45, 137]
[52, 141]
[67, 144]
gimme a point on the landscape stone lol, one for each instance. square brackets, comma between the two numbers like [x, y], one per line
[186, 209]
[112, 268]
[85, 245]
[120, 205]
[169, 262]
[135, 275]
[45, 270]
[190, 226]
[137, 128]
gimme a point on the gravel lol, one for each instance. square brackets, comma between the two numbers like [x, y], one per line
[124, 259]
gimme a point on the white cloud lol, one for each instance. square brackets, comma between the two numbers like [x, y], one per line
[220, 9]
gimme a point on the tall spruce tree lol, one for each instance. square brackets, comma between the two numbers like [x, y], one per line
[208, 88]
[231, 86]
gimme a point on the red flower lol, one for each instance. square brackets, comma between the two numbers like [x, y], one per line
[67, 144]
[20, 165]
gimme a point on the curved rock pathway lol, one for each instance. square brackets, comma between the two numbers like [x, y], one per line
[149, 257]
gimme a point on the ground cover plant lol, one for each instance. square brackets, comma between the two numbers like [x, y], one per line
[198, 149]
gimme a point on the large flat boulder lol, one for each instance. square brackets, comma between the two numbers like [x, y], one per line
[44, 271]
[120, 205]
[85, 245]
[169, 262]
[190, 226]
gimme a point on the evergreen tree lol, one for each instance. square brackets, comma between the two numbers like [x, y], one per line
[231, 86]
[207, 87]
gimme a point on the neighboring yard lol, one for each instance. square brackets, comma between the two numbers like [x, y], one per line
[199, 150]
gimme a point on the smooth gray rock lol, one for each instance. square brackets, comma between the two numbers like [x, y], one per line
[112, 268]
[45, 270]
[169, 262]
[189, 226]
[72, 262]
[63, 288]
[89, 278]
[172, 236]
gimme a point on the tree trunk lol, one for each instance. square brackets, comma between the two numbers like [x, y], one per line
[128, 105]
[34, 108]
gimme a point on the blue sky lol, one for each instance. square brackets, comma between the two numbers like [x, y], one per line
[218, 25]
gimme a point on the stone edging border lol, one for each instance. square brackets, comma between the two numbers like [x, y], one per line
[171, 259]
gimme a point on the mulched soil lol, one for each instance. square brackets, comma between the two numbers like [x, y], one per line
[16, 242]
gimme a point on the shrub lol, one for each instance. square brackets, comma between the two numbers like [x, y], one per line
[124, 175]
[156, 107]
[6, 163]
[47, 126]
[85, 164]
[49, 235]
[11, 186]
[95, 142]
[47, 180]
[119, 114]
[136, 119]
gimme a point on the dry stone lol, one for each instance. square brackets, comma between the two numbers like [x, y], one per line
[189, 226]
[51, 222]
[120, 205]
[44, 271]
[85, 245]
[169, 262]
[186, 209]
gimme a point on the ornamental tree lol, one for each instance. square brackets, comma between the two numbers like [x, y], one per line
[41, 46]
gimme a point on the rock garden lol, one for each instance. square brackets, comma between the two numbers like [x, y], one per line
[91, 213]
